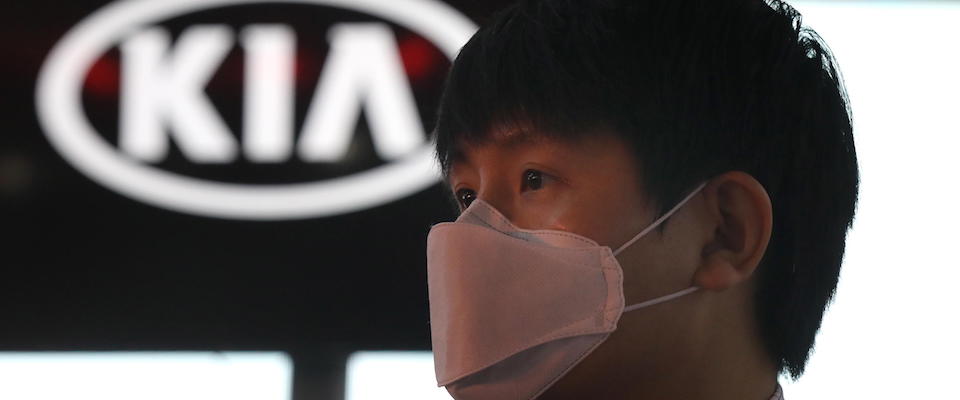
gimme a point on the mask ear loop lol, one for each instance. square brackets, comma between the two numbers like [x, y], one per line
[660, 220]
[659, 300]
[652, 226]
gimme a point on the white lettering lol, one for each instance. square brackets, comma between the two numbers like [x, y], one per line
[268, 92]
[159, 89]
[362, 67]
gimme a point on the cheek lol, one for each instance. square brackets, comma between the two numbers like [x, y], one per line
[563, 212]
[609, 217]
[610, 195]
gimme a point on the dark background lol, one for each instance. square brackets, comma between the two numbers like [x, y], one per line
[84, 268]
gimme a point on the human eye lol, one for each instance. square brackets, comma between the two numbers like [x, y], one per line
[465, 197]
[532, 180]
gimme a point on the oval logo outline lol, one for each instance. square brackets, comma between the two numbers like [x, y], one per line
[61, 116]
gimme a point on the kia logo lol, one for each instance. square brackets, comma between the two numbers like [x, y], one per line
[162, 101]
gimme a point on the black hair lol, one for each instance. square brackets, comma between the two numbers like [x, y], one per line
[697, 88]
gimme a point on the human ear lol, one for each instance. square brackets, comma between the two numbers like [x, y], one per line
[739, 222]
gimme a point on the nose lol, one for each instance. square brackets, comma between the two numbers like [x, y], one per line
[501, 198]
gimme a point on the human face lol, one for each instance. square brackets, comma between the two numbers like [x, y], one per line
[592, 186]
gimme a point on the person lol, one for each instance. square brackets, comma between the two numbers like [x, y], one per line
[654, 198]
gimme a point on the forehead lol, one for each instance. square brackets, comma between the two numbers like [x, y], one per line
[500, 139]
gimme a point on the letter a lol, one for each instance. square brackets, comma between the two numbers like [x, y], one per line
[363, 67]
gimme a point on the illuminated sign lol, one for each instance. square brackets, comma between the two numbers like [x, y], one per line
[162, 101]
[121, 375]
[377, 375]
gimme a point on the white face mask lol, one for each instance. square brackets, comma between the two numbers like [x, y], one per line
[513, 310]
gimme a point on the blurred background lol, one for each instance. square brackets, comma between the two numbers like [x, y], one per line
[230, 198]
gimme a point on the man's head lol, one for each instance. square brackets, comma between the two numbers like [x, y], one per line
[596, 117]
